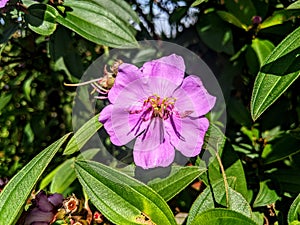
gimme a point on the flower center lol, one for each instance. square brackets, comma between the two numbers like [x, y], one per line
[155, 106]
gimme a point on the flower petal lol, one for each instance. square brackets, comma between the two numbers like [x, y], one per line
[153, 148]
[56, 199]
[36, 215]
[120, 124]
[128, 75]
[192, 96]
[169, 67]
[42, 202]
[192, 132]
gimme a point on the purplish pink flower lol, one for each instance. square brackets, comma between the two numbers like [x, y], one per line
[160, 109]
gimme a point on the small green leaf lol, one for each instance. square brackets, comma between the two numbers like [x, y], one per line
[222, 216]
[206, 200]
[4, 100]
[268, 87]
[262, 48]
[294, 211]
[180, 178]
[41, 18]
[226, 16]
[265, 195]
[83, 134]
[13, 197]
[96, 23]
[198, 2]
[122, 199]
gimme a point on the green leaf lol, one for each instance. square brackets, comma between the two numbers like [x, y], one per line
[83, 134]
[226, 16]
[206, 200]
[122, 199]
[13, 197]
[279, 17]
[285, 147]
[294, 211]
[222, 216]
[97, 23]
[41, 18]
[180, 178]
[295, 5]
[198, 2]
[242, 9]
[66, 175]
[4, 100]
[268, 87]
[262, 48]
[215, 33]
[118, 8]
[233, 168]
[265, 195]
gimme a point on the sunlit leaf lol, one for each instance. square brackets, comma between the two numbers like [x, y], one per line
[279, 71]
[222, 216]
[294, 212]
[41, 18]
[262, 48]
[13, 197]
[122, 199]
[206, 200]
[279, 17]
[180, 177]
[231, 19]
[96, 23]
[265, 195]
[82, 136]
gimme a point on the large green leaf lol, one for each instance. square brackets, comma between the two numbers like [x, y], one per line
[222, 216]
[280, 70]
[180, 178]
[83, 134]
[294, 212]
[119, 8]
[206, 200]
[13, 197]
[97, 23]
[41, 18]
[122, 199]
